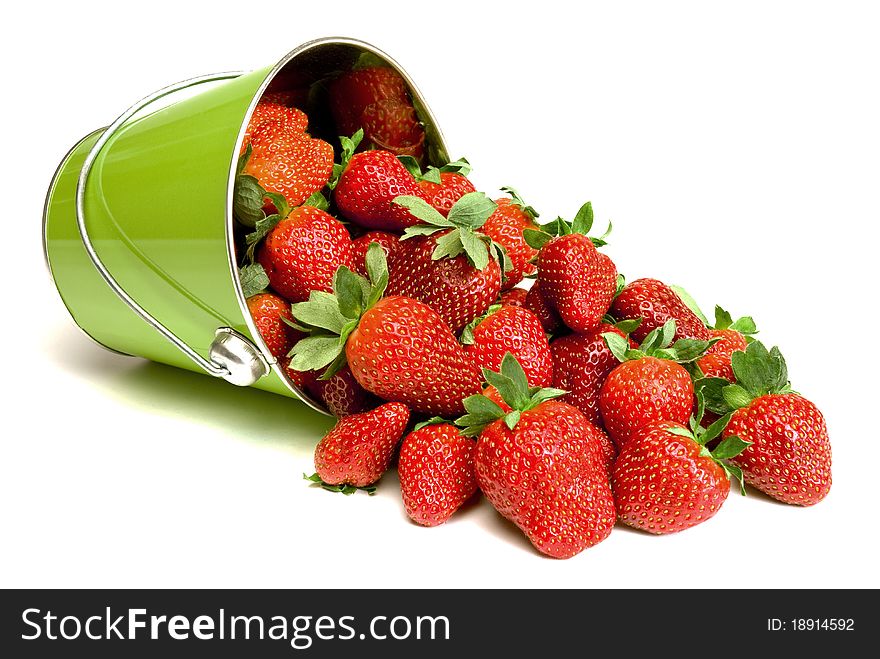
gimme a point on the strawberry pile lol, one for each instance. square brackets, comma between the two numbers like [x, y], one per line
[484, 352]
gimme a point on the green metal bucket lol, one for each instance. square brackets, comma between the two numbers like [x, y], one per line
[138, 226]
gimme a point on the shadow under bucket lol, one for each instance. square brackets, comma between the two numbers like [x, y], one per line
[138, 224]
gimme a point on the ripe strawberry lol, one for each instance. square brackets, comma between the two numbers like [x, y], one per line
[358, 449]
[353, 92]
[505, 226]
[732, 338]
[436, 468]
[297, 169]
[286, 119]
[648, 385]
[535, 302]
[581, 363]
[397, 348]
[303, 251]
[452, 287]
[655, 303]
[389, 242]
[666, 480]
[368, 185]
[442, 195]
[394, 126]
[341, 394]
[541, 466]
[515, 297]
[268, 310]
[790, 456]
[445, 263]
[301, 380]
[511, 330]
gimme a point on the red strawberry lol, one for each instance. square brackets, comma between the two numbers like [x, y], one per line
[389, 243]
[655, 303]
[541, 466]
[358, 449]
[516, 331]
[436, 468]
[717, 360]
[367, 187]
[268, 310]
[403, 351]
[290, 120]
[301, 380]
[581, 363]
[665, 480]
[453, 287]
[442, 196]
[790, 456]
[303, 251]
[505, 226]
[515, 297]
[394, 126]
[397, 348]
[297, 170]
[536, 303]
[341, 394]
[648, 385]
[353, 92]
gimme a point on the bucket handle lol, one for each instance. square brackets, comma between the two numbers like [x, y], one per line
[231, 355]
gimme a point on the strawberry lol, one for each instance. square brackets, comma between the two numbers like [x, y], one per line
[731, 338]
[789, 457]
[666, 480]
[389, 242]
[511, 330]
[286, 120]
[655, 303]
[368, 184]
[358, 450]
[436, 468]
[303, 251]
[541, 465]
[442, 187]
[505, 226]
[394, 126]
[649, 385]
[576, 280]
[353, 92]
[536, 303]
[446, 263]
[581, 363]
[397, 348]
[297, 169]
[515, 297]
[269, 313]
[341, 393]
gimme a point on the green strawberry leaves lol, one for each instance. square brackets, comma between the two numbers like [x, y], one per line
[513, 386]
[758, 372]
[432, 174]
[690, 303]
[330, 318]
[253, 279]
[349, 146]
[465, 217]
[745, 325]
[658, 344]
[582, 224]
[517, 200]
[347, 490]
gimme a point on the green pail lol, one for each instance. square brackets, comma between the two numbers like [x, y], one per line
[138, 227]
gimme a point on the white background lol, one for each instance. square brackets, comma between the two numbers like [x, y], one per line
[735, 148]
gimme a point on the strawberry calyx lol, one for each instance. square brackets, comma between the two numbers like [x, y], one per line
[728, 448]
[433, 421]
[745, 325]
[345, 489]
[758, 372]
[513, 386]
[348, 146]
[467, 334]
[432, 174]
[658, 344]
[517, 200]
[627, 326]
[460, 227]
[253, 279]
[582, 224]
[329, 318]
